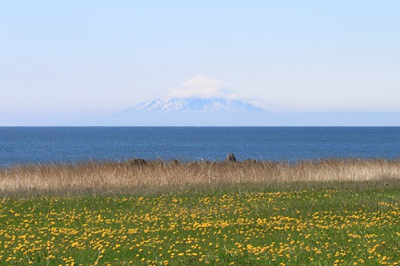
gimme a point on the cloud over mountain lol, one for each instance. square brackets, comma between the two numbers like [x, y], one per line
[201, 86]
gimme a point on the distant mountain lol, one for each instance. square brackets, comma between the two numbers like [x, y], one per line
[192, 105]
[190, 112]
[225, 112]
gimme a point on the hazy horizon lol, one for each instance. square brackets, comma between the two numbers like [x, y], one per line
[76, 63]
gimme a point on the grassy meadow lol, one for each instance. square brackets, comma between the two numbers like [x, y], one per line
[343, 212]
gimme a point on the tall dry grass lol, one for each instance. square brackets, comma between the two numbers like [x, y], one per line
[134, 176]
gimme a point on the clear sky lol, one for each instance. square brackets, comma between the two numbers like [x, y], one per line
[66, 60]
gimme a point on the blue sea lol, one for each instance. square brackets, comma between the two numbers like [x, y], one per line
[25, 145]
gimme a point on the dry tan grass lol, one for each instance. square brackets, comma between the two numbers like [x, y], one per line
[134, 176]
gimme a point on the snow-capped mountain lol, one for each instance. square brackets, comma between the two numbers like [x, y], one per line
[165, 105]
[190, 112]
[224, 112]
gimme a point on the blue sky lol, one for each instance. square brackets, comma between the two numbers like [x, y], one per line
[61, 61]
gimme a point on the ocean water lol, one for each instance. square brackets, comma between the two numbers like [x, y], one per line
[23, 145]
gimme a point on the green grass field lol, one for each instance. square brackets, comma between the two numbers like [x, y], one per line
[298, 224]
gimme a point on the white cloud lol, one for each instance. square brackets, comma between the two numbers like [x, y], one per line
[202, 87]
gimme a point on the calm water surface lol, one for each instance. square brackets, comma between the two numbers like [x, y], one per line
[21, 145]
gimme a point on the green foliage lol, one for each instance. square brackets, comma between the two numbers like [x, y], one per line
[320, 225]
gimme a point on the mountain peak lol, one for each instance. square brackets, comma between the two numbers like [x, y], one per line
[166, 105]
